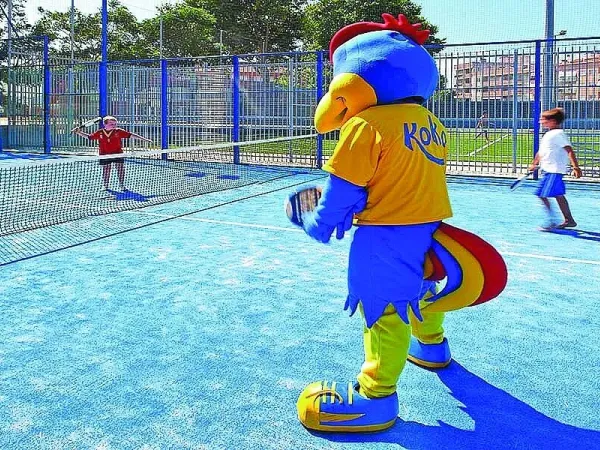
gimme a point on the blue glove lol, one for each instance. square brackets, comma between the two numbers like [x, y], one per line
[318, 231]
[339, 201]
[344, 226]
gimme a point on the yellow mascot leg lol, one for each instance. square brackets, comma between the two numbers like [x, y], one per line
[428, 347]
[386, 347]
[372, 403]
[430, 331]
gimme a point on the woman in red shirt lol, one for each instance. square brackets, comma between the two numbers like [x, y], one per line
[109, 143]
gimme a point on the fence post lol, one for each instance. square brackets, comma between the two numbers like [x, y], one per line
[71, 92]
[103, 68]
[102, 88]
[319, 82]
[536, 102]
[236, 108]
[47, 135]
[164, 107]
[290, 102]
[515, 105]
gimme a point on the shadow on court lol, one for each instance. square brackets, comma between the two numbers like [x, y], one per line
[579, 234]
[130, 195]
[501, 422]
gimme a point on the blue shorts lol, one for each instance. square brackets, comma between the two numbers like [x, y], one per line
[551, 185]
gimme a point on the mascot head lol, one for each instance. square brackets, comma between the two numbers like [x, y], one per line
[376, 64]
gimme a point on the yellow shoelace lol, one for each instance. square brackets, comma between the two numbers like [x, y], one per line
[332, 393]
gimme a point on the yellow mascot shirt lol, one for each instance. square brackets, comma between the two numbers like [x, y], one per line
[398, 152]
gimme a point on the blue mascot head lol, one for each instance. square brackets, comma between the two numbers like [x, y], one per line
[376, 64]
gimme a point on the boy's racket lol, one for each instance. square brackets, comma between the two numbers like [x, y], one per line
[300, 203]
[515, 184]
[87, 124]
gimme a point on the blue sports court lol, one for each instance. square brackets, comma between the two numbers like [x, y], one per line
[175, 306]
[200, 331]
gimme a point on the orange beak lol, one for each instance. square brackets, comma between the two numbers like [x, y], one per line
[348, 95]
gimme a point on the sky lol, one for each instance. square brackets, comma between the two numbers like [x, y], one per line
[459, 21]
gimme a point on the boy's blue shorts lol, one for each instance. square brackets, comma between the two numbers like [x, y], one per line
[551, 185]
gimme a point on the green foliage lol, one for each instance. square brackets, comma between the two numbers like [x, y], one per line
[324, 18]
[208, 27]
[187, 31]
[256, 26]
[21, 26]
[123, 33]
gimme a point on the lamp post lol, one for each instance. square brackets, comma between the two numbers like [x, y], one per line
[549, 56]
[266, 39]
[557, 68]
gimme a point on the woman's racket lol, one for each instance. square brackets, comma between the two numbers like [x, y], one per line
[515, 184]
[300, 203]
[87, 124]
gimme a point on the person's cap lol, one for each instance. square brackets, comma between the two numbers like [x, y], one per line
[107, 118]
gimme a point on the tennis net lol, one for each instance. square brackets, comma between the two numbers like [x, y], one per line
[51, 192]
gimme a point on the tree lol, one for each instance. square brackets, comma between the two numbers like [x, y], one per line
[29, 51]
[187, 31]
[324, 18]
[263, 26]
[123, 33]
[19, 31]
[20, 25]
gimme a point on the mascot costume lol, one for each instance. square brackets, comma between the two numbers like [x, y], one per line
[387, 176]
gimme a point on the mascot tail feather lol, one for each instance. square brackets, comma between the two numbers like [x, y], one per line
[474, 270]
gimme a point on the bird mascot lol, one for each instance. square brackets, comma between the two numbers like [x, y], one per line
[406, 268]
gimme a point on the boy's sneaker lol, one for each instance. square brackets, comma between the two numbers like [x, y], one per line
[549, 225]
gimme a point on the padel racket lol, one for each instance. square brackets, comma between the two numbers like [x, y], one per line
[515, 184]
[87, 124]
[301, 203]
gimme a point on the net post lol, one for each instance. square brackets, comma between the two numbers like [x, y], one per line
[164, 107]
[536, 102]
[47, 135]
[236, 108]
[319, 92]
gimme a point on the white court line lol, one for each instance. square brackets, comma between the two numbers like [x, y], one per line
[298, 230]
[221, 222]
[474, 152]
[553, 258]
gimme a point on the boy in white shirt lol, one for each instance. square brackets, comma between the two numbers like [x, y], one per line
[553, 158]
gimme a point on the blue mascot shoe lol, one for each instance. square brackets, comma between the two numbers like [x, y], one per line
[430, 356]
[330, 408]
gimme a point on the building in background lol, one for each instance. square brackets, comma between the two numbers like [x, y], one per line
[492, 77]
[578, 77]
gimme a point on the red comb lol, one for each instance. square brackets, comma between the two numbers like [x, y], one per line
[401, 25]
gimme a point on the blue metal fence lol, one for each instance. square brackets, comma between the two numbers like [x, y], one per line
[190, 102]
